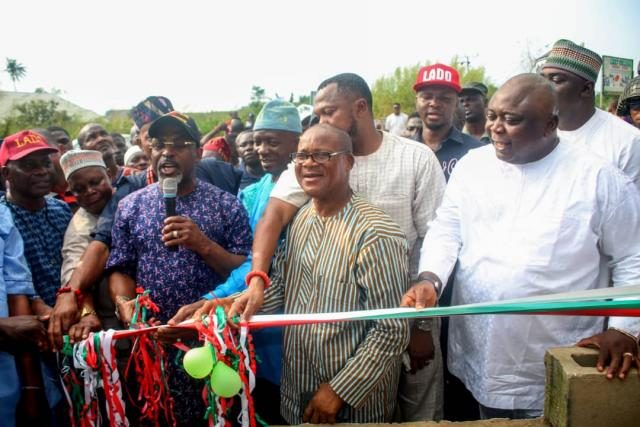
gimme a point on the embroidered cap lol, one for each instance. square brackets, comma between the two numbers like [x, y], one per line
[568, 56]
[150, 109]
[74, 160]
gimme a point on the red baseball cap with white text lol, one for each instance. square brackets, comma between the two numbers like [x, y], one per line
[437, 75]
[21, 144]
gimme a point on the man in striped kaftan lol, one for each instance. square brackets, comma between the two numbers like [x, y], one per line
[341, 254]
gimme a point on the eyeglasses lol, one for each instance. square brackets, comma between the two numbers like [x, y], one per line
[414, 128]
[158, 145]
[318, 157]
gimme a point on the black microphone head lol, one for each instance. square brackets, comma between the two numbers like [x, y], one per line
[169, 187]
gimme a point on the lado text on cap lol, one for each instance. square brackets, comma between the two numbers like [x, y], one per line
[436, 74]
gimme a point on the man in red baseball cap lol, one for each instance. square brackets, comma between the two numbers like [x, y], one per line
[42, 221]
[437, 87]
[21, 144]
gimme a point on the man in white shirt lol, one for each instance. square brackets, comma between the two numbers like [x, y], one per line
[396, 122]
[574, 70]
[400, 176]
[529, 215]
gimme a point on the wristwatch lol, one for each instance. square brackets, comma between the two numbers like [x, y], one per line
[86, 311]
[423, 325]
[433, 279]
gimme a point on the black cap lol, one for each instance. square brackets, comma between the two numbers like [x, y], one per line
[475, 87]
[182, 120]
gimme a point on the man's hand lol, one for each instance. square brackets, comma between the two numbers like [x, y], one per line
[185, 312]
[323, 407]
[250, 302]
[421, 349]
[617, 351]
[40, 308]
[182, 231]
[26, 330]
[65, 313]
[86, 324]
[206, 308]
[421, 295]
[125, 310]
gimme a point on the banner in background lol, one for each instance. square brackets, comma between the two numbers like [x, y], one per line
[616, 74]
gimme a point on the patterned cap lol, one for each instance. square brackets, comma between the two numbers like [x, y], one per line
[21, 144]
[74, 160]
[631, 93]
[182, 120]
[437, 75]
[150, 109]
[278, 115]
[568, 56]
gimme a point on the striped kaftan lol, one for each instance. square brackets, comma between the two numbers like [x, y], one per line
[354, 260]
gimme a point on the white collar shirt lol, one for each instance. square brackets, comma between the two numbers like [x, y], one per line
[567, 222]
[611, 138]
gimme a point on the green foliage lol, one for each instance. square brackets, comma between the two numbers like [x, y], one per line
[398, 87]
[257, 97]
[34, 114]
[15, 70]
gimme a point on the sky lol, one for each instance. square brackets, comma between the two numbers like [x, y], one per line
[206, 55]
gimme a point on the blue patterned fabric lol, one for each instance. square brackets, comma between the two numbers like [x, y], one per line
[43, 233]
[180, 277]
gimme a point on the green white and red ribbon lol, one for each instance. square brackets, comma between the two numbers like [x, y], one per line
[94, 357]
[621, 301]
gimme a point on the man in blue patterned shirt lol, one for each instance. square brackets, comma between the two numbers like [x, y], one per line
[210, 230]
[41, 220]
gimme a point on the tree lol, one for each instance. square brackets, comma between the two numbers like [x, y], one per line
[15, 70]
[257, 97]
[39, 113]
[398, 87]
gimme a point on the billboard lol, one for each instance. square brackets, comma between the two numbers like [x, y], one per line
[616, 73]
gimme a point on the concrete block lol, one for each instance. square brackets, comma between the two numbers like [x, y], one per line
[577, 395]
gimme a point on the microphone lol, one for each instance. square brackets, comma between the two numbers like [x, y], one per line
[169, 192]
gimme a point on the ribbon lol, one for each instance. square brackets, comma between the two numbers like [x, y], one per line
[594, 302]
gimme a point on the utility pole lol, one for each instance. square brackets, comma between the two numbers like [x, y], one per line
[467, 62]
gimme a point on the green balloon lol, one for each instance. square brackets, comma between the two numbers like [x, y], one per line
[225, 382]
[198, 362]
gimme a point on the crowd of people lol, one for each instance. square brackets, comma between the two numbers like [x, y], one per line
[316, 209]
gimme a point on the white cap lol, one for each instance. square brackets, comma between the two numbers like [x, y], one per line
[74, 160]
[132, 151]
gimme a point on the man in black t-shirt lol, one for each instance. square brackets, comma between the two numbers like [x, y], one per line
[437, 87]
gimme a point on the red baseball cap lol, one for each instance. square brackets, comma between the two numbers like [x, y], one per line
[437, 74]
[21, 144]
